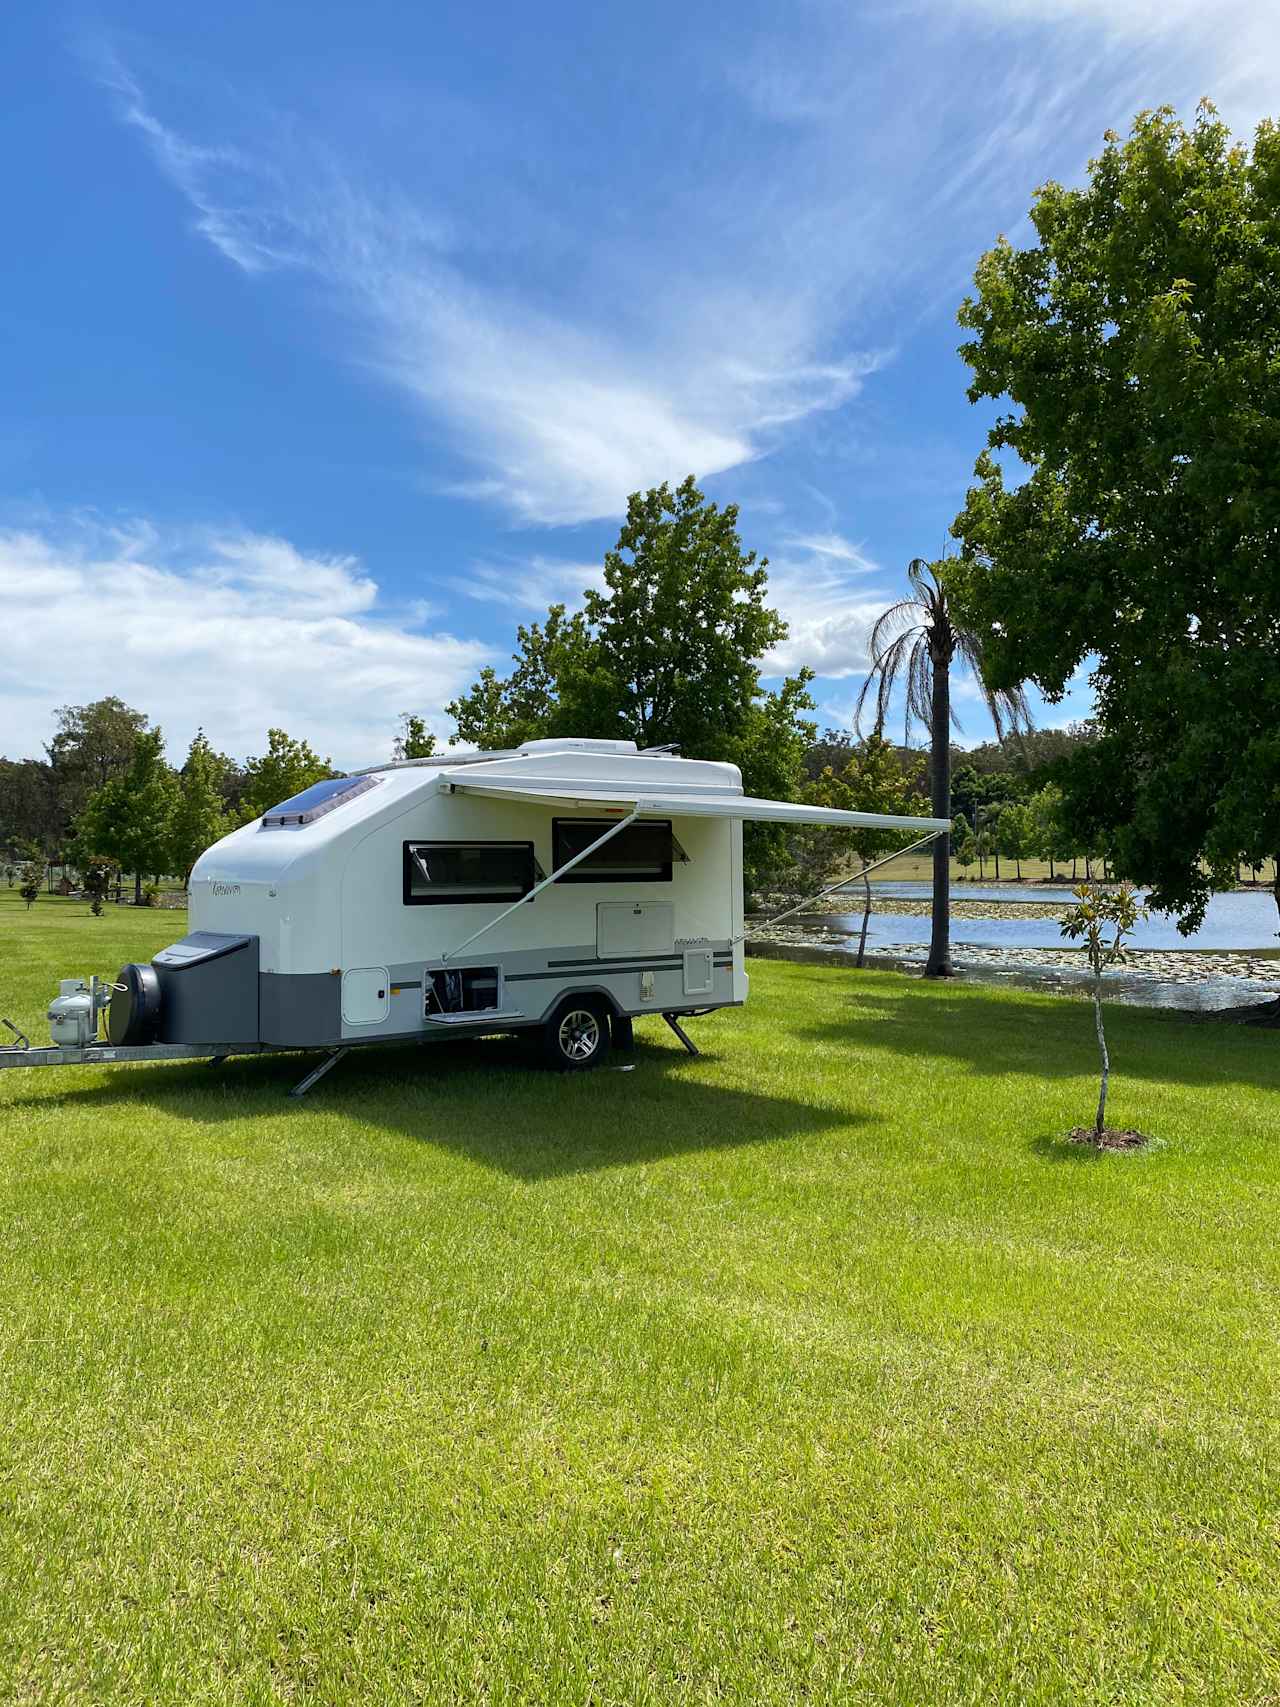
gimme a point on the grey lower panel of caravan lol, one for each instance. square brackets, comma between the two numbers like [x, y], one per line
[299, 1009]
[535, 980]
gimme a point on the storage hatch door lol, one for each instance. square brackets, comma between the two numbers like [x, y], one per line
[627, 928]
[366, 995]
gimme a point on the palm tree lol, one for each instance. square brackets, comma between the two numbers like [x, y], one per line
[913, 643]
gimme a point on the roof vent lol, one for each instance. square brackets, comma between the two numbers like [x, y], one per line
[569, 744]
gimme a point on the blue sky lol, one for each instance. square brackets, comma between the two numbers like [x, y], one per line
[334, 337]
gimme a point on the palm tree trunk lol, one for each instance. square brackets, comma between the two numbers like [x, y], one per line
[938, 964]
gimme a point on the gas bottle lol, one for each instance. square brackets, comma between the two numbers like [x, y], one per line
[72, 1019]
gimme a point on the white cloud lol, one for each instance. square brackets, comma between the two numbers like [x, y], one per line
[530, 584]
[1225, 49]
[563, 414]
[818, 588]
[232, 630]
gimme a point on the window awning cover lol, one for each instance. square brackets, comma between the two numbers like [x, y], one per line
[692, 803]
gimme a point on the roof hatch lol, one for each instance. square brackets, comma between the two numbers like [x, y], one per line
[314, 802]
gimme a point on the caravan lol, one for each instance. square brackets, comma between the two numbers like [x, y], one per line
[567, 888]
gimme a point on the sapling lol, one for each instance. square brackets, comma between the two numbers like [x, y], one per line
[1103, 919]
[29, 886]
[98, 875]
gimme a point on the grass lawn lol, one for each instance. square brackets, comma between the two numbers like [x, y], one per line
[918, 868]
[815, 1369]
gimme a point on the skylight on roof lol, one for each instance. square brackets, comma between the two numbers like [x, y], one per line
[317, 801]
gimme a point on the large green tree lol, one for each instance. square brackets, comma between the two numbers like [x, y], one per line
[1135, 348]
[92, 744]
[129, 819]
[285, 769]
[669, 651]
[199, 818]
[29, 810]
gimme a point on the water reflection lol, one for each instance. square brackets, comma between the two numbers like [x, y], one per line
[1241, 920]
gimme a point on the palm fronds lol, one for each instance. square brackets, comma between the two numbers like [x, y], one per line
[912, 638]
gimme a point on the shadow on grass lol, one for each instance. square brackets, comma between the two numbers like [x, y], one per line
[488, 1100]
[1046, 1036]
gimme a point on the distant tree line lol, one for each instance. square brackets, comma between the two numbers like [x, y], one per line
[106, 801]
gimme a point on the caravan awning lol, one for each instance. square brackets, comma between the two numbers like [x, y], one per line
[691, 803]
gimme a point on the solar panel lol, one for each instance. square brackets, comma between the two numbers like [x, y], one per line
[316, 801]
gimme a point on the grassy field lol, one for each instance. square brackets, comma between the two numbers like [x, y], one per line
[816, 1369]
[918, 868]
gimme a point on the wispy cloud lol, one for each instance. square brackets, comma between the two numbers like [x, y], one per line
[561, 414]
[231, 629]
[529, 584]
[836, 547]
[1227, 49]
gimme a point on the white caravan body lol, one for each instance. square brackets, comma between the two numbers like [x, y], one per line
[412, 900]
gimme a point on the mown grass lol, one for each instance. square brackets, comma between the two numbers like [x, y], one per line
[918, 868]
[816, 1369]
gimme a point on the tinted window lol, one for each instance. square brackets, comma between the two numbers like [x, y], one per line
[438, 872]
[642, 853]
[315, 801]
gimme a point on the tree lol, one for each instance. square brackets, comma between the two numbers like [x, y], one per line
[129, 819]
[415, 740]
[1015, 831]
[1049, 833]
[1094, 911]
[913, 643]
[873, 780]
[1136, 346]
[198, 818]
[285, 769]
[667, 653]
[963, 842]
[93, 744]
[29, 883]
[29, 810]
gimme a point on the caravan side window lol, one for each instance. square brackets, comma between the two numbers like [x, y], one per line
[642, 853]
[442, 873]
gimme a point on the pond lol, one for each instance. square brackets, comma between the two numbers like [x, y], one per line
[1241, 920]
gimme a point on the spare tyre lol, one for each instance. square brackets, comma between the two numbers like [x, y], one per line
[133, 1016]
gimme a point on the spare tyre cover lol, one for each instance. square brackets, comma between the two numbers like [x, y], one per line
[133, 1016]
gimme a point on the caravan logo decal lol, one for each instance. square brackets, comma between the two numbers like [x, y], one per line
[225, 888]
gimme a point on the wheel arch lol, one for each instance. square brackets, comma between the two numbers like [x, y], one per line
[600, 991]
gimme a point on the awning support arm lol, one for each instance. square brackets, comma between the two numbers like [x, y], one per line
[556, 875]
[865, 872]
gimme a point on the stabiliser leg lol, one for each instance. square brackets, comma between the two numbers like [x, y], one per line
[682, 1034]
[317, 1073]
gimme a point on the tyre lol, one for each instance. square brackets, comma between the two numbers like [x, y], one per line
[576, 1037]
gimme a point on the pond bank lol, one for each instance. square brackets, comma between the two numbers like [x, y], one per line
[1197, 980]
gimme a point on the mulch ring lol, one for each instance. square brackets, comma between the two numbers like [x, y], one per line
[1113, 1137]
